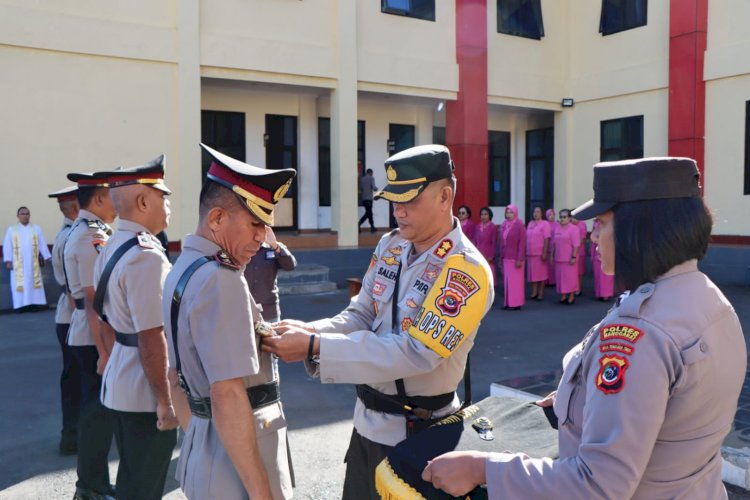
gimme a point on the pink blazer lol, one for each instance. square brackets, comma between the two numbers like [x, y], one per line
[513, 246]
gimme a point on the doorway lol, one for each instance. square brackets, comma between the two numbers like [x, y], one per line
[281, 152]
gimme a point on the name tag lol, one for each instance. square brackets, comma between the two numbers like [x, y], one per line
[270, 255]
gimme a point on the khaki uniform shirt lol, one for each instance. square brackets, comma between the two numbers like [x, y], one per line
[361, 346]
[217, 342]
[87, 237]
[132, 304]
[645, 400]
[64, 310]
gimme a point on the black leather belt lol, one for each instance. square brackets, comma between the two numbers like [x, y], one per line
[395, 405]
[260, 395]
[79, 304]
[127, 339]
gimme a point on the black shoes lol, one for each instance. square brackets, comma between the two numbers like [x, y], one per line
[87, 494]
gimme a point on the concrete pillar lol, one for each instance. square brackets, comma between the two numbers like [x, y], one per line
[564, 160]
[188, 163]
[344, 128]
[424, 124]
[307, 173]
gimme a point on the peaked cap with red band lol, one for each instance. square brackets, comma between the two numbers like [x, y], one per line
[150, 174]
[69, 193]
[88, 179]
[259, 188]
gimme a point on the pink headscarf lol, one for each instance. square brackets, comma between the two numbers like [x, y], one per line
[507, 224]
[548, 213]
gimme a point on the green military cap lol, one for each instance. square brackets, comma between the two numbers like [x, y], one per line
[618, 182]
[409, 171]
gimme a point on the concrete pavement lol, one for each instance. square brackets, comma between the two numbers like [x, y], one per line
[511, 344]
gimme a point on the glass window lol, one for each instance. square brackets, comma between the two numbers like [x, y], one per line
[223, 131]
[324, 157]
[520, 18]
[419, 9]
[498, 155]
[747, 147]
[622, 139]
[621, 15]
[438, 135]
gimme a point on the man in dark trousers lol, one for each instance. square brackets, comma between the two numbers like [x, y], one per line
[366, 189]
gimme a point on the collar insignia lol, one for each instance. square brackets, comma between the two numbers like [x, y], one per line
[225, 260]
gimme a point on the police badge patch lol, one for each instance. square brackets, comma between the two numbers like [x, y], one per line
[459, 286]
[98, 244]
[611, 376]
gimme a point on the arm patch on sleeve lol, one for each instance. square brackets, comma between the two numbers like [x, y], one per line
[453, 308]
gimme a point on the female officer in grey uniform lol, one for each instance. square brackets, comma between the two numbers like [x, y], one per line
[650, 393]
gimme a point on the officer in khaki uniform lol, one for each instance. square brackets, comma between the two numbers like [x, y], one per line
[406, 336]
[648, 396]
[70, 383]
[129, 276]
[235, 445]
[86, 239]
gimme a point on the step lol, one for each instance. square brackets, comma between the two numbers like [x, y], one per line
[305, 279]
[303, 273]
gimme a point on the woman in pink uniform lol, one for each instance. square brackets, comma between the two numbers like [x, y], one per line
[567, 240]
[581, 249]
[485, 238]
[550, 215]
[538, 236]
[467, 225]
[604, 284]
[513, 256]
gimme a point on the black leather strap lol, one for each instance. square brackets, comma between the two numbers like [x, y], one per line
[127, 339]
[101, 287]
[397, 405]
[259, 395]
[174, 313]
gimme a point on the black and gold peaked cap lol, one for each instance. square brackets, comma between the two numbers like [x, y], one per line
[150, 174]
[618, 182]
[409, 171]
[260, 188]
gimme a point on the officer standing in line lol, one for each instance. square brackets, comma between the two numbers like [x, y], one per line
[129, 276]
[408, 333]
[86, 239]
[235, 445]
[648, 395]
[70, 382]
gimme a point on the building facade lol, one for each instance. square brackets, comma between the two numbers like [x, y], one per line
[528, 94]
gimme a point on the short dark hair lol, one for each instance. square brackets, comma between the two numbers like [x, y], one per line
[86, 193]
[468, 210]
[213, 195]
[653, 236]
[369, 170]
[21, 208]
[489, 211]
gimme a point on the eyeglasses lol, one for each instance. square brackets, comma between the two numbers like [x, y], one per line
[565, 216]
[462, 212]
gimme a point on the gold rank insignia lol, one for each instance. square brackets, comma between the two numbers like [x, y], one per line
[391, 173]
[443, 248]
[391, 261]
[395, 250]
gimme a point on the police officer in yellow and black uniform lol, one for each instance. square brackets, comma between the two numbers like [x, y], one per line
[87, 237]
[405, 339]
[235, 445]
[648, 396]
[129, 276]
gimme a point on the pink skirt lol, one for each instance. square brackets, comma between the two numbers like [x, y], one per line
[581, 261]
[566, 277]
[538, 270]
[551, 271]
[514, 285]
[604, 284]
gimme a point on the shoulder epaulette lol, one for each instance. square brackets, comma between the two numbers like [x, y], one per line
[145, 239]
[631, 306]
[225, 260]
